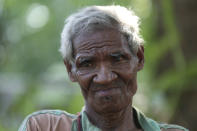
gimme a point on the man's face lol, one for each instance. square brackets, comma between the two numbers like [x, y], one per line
[105, 69]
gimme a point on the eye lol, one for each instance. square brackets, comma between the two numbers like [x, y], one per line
[85, 62]
[117, 57]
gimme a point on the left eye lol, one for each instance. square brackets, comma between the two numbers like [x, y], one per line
[117, 57]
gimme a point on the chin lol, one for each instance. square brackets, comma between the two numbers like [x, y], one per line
[110, 103]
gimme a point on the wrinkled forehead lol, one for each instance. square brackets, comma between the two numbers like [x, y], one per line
[94, 34]
[99, 38]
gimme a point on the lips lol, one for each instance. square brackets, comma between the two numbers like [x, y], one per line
[111, 89]
[107, 97]
[107, 92]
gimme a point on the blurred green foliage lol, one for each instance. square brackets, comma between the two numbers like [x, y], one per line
[33, 76]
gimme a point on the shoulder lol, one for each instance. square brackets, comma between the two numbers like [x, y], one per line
[172, 130]
[171, 127]
[47, 120]
[152, 125]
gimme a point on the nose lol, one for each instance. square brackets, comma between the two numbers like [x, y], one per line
[104, 76]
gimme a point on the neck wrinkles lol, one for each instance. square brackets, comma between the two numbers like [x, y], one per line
[112, 121]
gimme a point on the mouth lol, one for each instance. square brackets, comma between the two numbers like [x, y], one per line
[107, 97]
[107, 94]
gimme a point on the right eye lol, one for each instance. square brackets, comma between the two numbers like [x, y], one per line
[85, 63]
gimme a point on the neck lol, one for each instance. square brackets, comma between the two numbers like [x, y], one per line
[122, 120]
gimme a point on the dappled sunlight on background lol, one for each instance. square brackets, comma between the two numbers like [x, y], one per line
[37, 16]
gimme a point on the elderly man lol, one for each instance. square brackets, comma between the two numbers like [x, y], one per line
[102, 51]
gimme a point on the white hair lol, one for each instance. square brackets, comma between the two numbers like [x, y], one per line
[97, 17]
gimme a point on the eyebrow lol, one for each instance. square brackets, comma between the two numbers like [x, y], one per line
[119, 53]
[124, 54]
[116, 53]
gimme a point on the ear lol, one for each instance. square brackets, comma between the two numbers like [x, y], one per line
[140, 55]
[69, 68]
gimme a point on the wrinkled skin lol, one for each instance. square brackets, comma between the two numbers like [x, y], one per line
[106, 71]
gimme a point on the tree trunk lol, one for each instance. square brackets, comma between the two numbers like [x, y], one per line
[186, 19]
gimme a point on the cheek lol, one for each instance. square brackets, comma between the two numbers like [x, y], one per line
[132, 86]
[129, 77]
[127, 70]
[82, 79]
[84, 82]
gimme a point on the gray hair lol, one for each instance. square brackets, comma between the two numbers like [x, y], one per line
[97, 17]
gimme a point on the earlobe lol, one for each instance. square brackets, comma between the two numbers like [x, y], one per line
[69, 68]
[140, 55]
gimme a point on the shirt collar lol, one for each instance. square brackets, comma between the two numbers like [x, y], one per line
[145, 123]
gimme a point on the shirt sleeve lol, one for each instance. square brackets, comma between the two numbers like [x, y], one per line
[46, 122]
[171, 127]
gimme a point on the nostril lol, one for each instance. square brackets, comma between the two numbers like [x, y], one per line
[107, 98]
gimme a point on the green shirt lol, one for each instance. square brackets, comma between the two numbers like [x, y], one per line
[57, 120]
